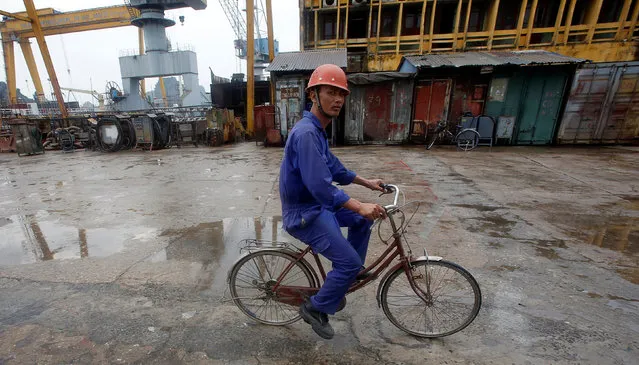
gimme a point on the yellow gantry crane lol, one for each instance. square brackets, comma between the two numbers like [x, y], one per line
[22, 26]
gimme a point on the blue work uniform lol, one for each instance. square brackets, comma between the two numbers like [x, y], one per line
[312, 209]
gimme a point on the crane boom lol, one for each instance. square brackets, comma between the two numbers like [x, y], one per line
[232, 12]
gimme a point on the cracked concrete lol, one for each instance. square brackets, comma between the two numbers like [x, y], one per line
[122, 258]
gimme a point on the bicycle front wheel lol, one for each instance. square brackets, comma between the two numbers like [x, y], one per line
[452, 301]
[467, 139]
[252, 280]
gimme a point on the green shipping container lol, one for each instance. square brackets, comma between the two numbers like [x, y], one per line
[533, 99]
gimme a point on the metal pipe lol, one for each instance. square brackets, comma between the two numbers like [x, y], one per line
[250, 64]
[141, 52]
[271, 44]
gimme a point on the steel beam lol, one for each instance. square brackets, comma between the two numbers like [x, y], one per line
[271, 45]
[250, 64]
[492, 23]
[25, 45]
[15, 16]
[531, 21]
[44, 50]
[71, 22]
[10, 67]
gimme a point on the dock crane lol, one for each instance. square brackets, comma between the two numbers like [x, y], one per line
[96, 95]
[39, 23]
[245, 47]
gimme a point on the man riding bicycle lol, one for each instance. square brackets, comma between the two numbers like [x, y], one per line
[313, 209]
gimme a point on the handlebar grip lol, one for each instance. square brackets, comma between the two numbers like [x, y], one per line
[387, 188]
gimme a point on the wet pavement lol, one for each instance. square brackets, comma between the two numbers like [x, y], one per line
[122, 258]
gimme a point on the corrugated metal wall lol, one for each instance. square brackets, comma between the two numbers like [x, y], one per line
[603, 106]
[379, 113]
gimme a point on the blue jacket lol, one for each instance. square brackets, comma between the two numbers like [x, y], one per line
[307, 174]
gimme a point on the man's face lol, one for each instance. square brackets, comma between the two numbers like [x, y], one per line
[332, 99]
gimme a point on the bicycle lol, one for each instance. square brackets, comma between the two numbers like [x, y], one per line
[466, 138]
[424, 296]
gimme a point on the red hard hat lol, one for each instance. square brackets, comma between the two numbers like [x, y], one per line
[328, 74]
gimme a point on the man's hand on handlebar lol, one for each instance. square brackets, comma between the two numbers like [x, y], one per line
[372, 211]
[375, 184]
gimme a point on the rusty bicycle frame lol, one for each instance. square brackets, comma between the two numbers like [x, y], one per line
[295, 295]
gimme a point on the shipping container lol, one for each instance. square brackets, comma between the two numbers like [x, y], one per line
[291, 100]
[526, 104]
[378, 109]
[603, 106]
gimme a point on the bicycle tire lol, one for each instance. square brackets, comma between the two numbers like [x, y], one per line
[430, 269]
[284, 313]
[467, 139]
[430, 144]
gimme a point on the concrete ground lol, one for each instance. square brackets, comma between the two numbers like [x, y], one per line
[122, 258]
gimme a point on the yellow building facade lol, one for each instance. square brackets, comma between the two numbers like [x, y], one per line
[378, 33]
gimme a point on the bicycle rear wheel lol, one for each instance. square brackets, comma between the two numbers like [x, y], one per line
[467, 139]
[453, 297]
[251, 284]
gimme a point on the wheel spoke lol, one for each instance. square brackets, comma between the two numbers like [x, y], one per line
[251, 282]
[451, 306]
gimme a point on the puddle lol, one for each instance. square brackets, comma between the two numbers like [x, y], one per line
[504, 268]
[32, 238]
[216, 246]
[547, 252]
[492, 225]
[616, 233]
[631, 274]
[481, 208]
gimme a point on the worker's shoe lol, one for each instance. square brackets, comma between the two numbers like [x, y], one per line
[317, 320]
[363, 275]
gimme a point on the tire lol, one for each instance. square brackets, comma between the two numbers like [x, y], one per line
[430, 143]
[250, 291]
[467, 140]
[413, 315]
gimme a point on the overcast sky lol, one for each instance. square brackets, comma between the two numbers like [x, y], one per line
[92, 57]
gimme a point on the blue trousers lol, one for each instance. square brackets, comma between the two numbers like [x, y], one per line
[347, 254]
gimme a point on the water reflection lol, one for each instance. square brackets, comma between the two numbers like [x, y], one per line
[30, 238]
[620, 236]
[215, 246]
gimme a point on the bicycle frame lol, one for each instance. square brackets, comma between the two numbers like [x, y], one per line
[296, 295]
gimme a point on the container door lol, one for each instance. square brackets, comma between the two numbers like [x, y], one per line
[432, 101]
[540, 108]
[621, 125]
[587, 98]
[377, 113]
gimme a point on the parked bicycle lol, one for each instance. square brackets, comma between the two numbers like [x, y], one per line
[466, 139]
[424, 296]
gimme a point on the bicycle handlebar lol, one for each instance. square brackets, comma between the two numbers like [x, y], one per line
[389, 189]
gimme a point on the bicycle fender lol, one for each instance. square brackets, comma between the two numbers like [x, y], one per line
[302, 261]
[399, 267]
